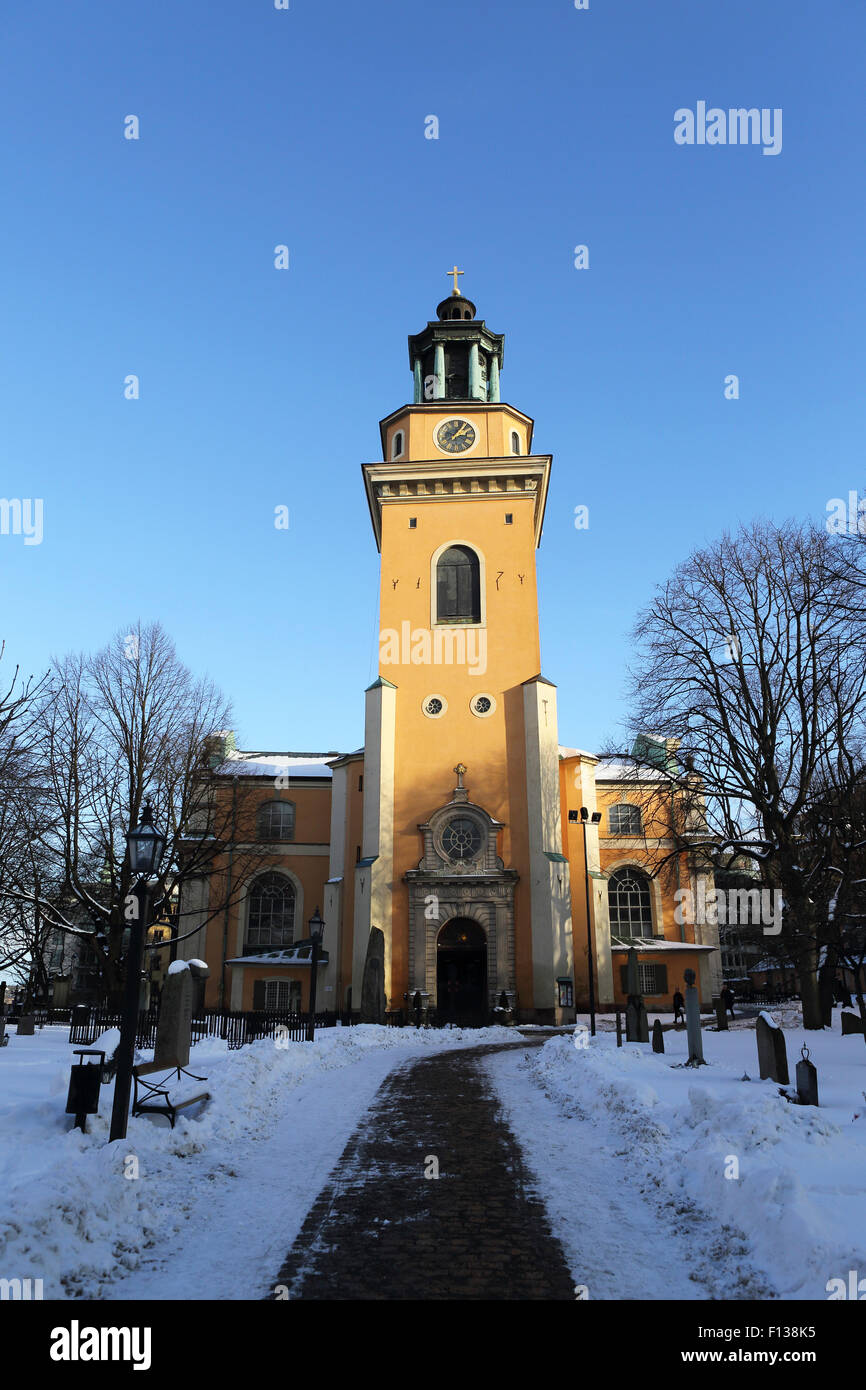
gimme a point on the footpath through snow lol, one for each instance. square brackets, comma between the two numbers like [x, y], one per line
[206, 1210]
[671, 1182]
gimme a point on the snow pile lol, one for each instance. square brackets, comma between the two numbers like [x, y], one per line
[783, 1183]
[78, 1212]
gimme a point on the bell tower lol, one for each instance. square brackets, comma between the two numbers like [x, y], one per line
[457, 505]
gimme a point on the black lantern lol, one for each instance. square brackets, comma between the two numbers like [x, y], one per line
[316, 926]
[146, 845]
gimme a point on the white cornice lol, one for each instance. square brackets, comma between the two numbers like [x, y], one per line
[471, 480]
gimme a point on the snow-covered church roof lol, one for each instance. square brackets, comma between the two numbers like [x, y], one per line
[301, 765]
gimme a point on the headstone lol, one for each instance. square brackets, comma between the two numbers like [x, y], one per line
[26, 1025]
[826, 982]
[636, 1021]
[60, 994]
[807, 1080]
[373, 982]
[772, 1054]
[851, 1023]
[721, 1015]
[619, 1027]
[693, 1022]
[174, 1029]
[658, 1036]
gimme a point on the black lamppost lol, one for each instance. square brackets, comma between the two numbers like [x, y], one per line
[317, 927]
[586, 820]
[146, 846]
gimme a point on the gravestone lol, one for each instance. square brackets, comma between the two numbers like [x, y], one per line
[825, 996]
[851, 1023]
[807, 1080]
[174, 1029]
[658, 1036]
[721, 1015]
[373, 982]
[693, 1022]
[26, 1025]
[772, 1054]
[636, 1021]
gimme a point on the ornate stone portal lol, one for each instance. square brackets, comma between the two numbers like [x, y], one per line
[461, 875]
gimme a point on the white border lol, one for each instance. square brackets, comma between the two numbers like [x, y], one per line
[434, 695]
[485, 714]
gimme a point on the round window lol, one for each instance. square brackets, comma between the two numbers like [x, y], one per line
[482, 705]
[434, 706]
[461, 839]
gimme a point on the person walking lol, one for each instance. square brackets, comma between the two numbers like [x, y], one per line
[727, 998]
[679, 1007]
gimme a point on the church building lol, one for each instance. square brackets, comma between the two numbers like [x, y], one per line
[463, 854]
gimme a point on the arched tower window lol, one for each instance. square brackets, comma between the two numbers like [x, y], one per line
[458, 586]
[515, 442]
[276, 821]
[628, 896]
[397, 445]
[271, 914]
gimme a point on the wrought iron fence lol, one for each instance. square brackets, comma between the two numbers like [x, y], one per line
[237, 1029]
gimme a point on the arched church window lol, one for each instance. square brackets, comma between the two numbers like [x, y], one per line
[462, 839]
[397, 445]
[515, 442]
[624, 819]
[276, 821]
[628, 896]
[271, 913]
[458, 586]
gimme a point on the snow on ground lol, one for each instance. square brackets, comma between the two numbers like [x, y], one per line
[630, 1151]
[218, 1200]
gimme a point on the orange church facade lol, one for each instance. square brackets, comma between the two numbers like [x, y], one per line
[453, 856]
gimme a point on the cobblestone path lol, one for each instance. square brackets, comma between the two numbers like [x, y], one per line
[380, 1229]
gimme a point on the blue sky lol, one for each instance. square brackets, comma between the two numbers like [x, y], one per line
[261, 387]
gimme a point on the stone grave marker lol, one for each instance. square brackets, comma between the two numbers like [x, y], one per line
[851, 1023]
[174, 1029]
[26, 1025]
[772, 1054]
[721, 1015]
[636, 1021]
[693, 1022]
[807, 1080]
[658, 1036]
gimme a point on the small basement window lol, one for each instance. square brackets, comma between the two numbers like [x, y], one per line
[413, 523]
[509, 518]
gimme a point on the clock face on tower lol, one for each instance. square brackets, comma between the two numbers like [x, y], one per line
[455, 436]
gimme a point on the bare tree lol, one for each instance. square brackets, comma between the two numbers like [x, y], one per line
[115, 730]
[751, 657]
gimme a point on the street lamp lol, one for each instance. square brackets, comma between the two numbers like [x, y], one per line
[586, 820]
[317, 928]
[146, 846]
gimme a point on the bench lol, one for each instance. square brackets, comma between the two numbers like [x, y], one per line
[148, 1104]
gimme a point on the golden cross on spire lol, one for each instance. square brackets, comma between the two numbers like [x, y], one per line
[455, 272]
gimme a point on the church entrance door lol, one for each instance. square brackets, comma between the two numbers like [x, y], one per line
[461, 973]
